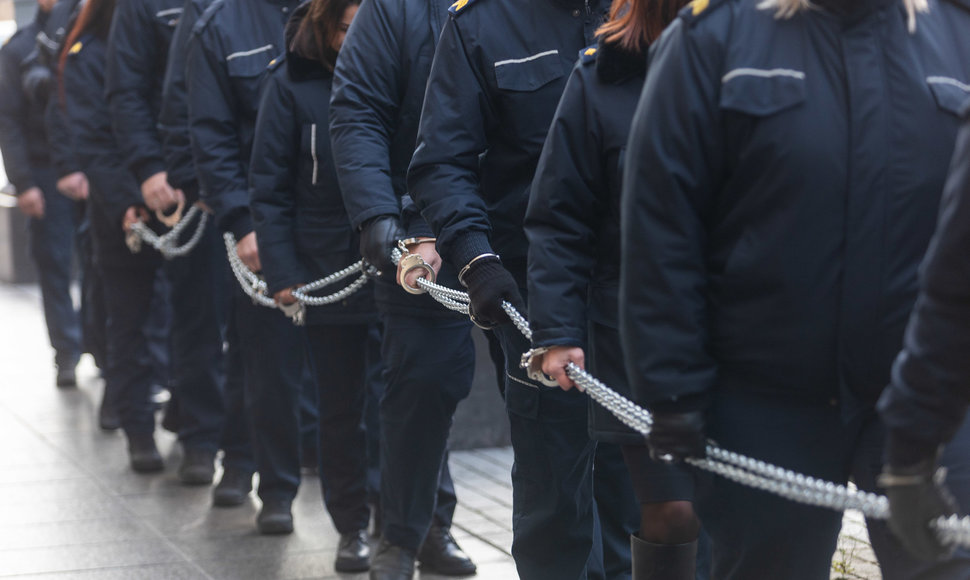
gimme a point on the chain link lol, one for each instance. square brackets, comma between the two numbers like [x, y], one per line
[797, 487]
[167, 243]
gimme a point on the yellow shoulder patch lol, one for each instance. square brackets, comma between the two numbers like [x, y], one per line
[590, 51]
[76, 48]
[698, 6]
[457, 6]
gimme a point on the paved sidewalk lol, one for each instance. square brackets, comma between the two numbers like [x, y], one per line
[71, 509]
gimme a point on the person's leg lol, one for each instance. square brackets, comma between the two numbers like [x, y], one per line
[429, 369]
[159, 328]
[198, 296]
[52, 247]
[756, 534]
[128, 297]
[552, 477]
[616, 510]
[894, 561]
[92, 312]
[372, 420]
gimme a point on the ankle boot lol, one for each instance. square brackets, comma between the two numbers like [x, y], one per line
[663, 561]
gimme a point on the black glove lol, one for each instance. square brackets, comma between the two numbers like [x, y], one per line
[677, 435]
[489, 284]
[917, 495]
[378, 236]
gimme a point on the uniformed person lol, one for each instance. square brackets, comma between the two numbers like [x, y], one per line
[499, 71]
[136, 61]
[113, 206]
[232, 43]
[573, 227]
[378, 89]
[926, 403]
[25, 88]
[782, 181]
[304, 235]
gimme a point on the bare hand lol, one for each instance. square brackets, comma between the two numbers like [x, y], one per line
[31, 203]
[133, 215]
[554, 363]
[285, 296]
[74, 185]
[248, 252]
[427, 251]
[158, 194]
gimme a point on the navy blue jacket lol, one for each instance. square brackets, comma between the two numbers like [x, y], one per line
[927, 400]
[498, 74]
[573, 218]
[299, 215]
[234, 41]
[113, 189]
[23, 135]
[141, 33]
[49, 41]
[781, 186]
[378, 89]
[173, 118]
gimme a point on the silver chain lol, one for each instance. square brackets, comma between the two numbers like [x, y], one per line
[167, 243]
[255, 287]
[797, 487]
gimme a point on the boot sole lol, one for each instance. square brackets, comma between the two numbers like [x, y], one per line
[351, 566]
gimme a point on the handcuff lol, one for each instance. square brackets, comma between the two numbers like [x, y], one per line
[170, 220]
[532, 363]
[410, 262]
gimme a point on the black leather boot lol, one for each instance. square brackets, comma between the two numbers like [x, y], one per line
[441, 554]
[353, 552]
[143, 454]
[663, 561]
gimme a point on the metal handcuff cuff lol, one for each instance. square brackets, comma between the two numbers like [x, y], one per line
[532, 363]
[170, 220]
[411, 262]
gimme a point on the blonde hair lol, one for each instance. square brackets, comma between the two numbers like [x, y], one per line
[788, 8]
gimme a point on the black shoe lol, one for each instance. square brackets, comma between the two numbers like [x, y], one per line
[170, 416]
[108, 417]
[663, 561]
[441, 554]
[143, 454]
[392, 563]
[66, 377]
[197, 466]
[233, 488]
[353, 552]
[275, 517]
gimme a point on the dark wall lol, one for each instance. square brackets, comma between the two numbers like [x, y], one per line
[480, 420]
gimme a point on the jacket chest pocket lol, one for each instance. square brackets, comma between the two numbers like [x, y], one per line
[525, 85]
[762, 92]
[245, 69]
[951, 95]
[165, 23]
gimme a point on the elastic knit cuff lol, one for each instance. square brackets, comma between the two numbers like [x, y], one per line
[241, 226]
[469, 246]
[904, 450]
[147, 168]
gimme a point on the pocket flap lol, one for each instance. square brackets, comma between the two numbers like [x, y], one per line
[762, 92]
[951, 95]
[529, 73]
[249, 63]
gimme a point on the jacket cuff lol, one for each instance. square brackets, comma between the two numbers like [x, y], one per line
[358, 220]
[146, 168]
[469, 246]
[22, 186]
[559, 337]
[904, 450]
[241, 225]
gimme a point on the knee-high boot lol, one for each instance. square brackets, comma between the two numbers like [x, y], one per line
[663, 561]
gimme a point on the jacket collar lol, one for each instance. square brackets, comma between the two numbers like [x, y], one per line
[615, 65]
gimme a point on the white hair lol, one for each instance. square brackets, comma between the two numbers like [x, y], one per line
[789, 8]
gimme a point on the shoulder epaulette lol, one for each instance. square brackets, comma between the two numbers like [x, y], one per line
[698, 9]
[588, 54]
[276, 62]
[460, 6]
[210, 11]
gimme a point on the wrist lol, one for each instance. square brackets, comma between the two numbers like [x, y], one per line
[905, 454]
[476, 262]
[467, 246]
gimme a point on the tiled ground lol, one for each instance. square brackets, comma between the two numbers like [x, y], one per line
[71, 509]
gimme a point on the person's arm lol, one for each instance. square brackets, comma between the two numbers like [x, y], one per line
[367, 88]
[13, 119]
[173, 118]
[130, 71]
[272, 186]
[673, 171]
[927, 400]
[213, 119]
[61, 137]
[565, 203]
[443, 178]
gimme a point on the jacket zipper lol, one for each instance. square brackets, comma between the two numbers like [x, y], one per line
[313, 151]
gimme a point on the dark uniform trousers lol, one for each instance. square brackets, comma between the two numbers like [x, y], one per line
[763, 536]
[93, 315]
[52, 248]
[430, 363]
[342, 356]
[200, 301]
[562, 529]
